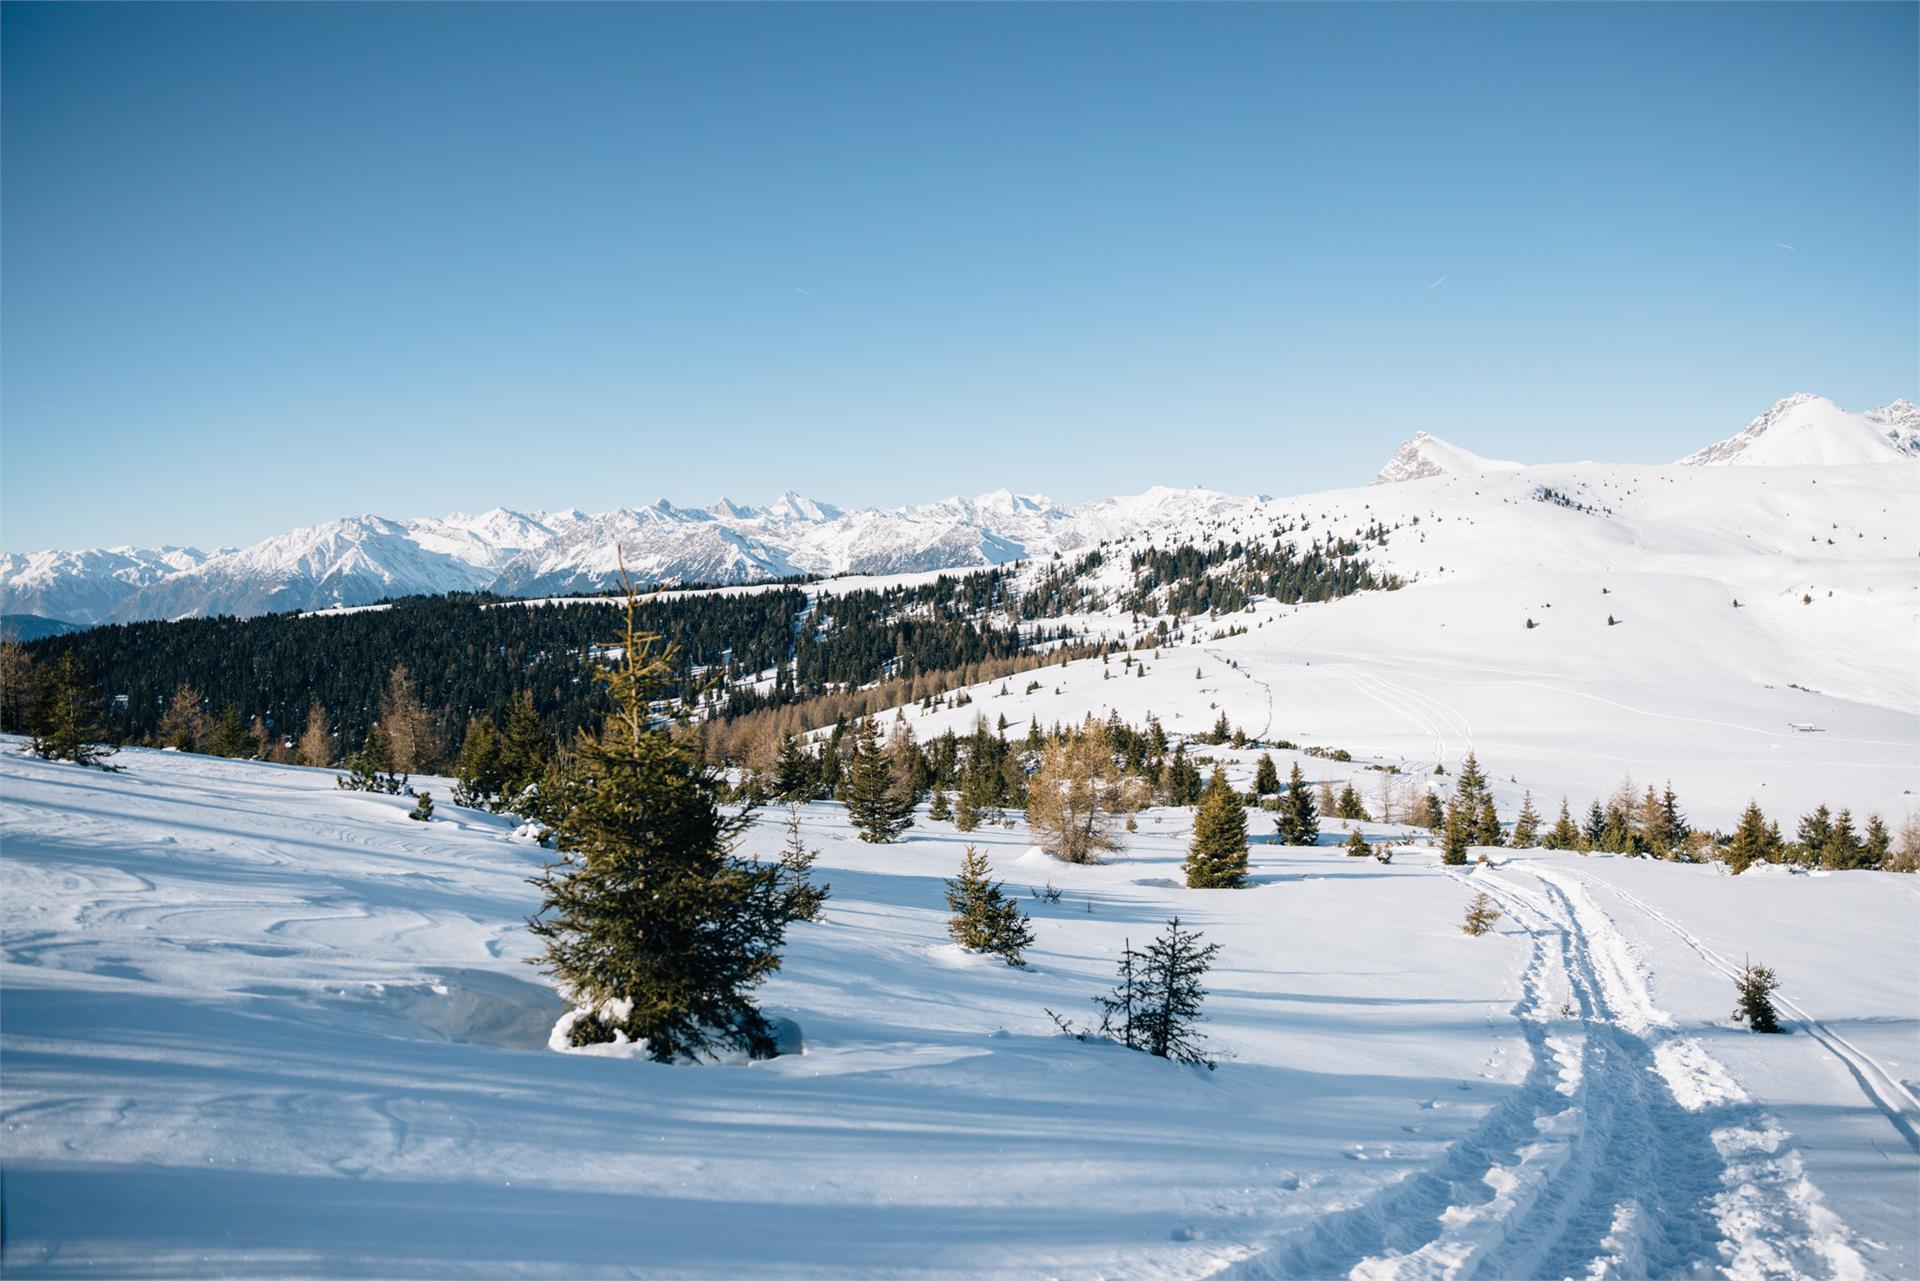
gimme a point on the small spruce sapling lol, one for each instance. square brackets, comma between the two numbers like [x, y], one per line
[1756, 984]
[422, 811]
[1481, 914]
[1356, 845]
[984, 918]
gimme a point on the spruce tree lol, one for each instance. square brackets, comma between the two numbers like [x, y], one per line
[1356, 845]
[229, 736]
[1298, 822]
[1457, 835]
[67, 724]
[422, 811]
[652, 928]
[1166, 1010]
[984, 918]
[965, 816]
[793, 771]
[1563, 835]
[1756, 985]
[371, 768]
[939, 811]
[1877, 845]
[1753, 841]
[1595, 832]
[1217, 859]
[1350, 806]
[1815, 834]
[1843, 849]
[1526, 825]
[526, 755]
[1266, 778]
[1430, 814]
[805, 899]
[476, 771]
[876, 804]
[1481, 914]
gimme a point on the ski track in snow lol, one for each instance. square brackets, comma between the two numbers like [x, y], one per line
[1626, 1152]
[1880, 1085]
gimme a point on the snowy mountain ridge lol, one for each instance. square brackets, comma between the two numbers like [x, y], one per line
[1809, 430]
[360, 559]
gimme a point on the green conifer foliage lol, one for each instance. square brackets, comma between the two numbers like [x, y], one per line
[877, 803]
[1299, 820]
[650, 925]
[984, 918]
[67, 724]
[1526, 825]
[1753, 841]
[1217, 859]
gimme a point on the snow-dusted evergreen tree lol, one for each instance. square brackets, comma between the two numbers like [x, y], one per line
[1526, 824]
[877, 805]
[984, 918]
[939, 811]
[422, 811]
[1356, 845]
[1299, 821]
[652, 928]
[1266, 778]
[1217, 859]
[1350, 807]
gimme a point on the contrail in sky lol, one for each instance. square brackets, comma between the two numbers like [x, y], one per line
[1777, 245]
[1435, 285]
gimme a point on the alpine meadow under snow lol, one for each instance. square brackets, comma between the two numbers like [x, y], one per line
[257, 1024]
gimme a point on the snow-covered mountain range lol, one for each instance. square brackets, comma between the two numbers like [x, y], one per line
[360, 559]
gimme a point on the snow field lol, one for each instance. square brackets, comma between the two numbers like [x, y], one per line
[255, 1025]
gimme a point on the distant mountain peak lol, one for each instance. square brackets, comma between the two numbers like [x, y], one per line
[1805, 430]
[1424, 454]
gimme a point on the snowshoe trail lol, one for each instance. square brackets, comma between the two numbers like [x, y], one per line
[1625, 1152]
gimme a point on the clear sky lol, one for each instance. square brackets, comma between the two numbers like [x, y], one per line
[269, 264]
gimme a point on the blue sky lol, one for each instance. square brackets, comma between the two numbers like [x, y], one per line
[265, 265]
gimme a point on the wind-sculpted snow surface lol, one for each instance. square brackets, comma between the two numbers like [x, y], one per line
[253, 1025]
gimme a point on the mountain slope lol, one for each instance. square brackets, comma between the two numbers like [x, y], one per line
[1425, 455]
[1806, 430]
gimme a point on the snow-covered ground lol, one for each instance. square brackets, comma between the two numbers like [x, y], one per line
[1749, 633]
[256, 1026]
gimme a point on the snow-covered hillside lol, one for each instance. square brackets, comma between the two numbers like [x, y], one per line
[1807, 430]
[256, 1026]
[1748, 633]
